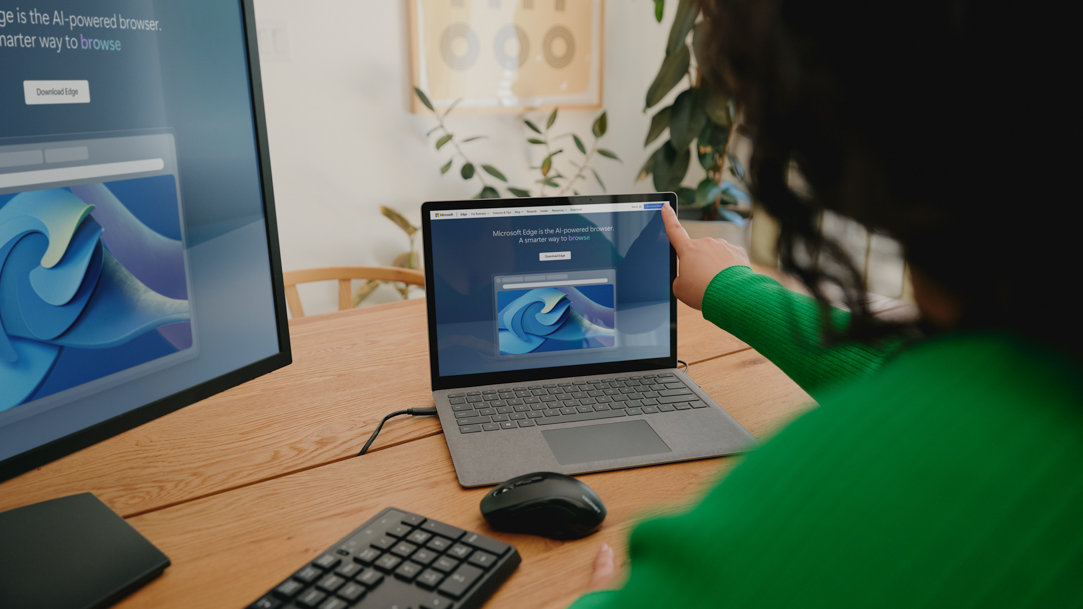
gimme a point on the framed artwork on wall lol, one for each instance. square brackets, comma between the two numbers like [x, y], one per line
[506, 54]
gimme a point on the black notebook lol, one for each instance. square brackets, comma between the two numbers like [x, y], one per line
[72, 553]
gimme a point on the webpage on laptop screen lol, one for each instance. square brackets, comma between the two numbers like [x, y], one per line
[532, 287]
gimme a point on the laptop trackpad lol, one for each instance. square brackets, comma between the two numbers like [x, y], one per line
[606, 441]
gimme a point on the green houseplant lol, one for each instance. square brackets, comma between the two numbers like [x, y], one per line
[565, 164]
[698, 123]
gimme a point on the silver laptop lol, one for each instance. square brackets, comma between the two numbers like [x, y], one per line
[553, 338]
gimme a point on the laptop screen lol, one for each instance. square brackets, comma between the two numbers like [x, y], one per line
[533, 288]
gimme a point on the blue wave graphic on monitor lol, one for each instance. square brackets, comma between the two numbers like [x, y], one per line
[86, 289]
[555, 319]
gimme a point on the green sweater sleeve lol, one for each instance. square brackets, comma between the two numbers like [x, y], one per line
[786, 328]
[947, 479]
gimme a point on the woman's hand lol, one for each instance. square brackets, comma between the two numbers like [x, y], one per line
[604, 569]
[698, 260]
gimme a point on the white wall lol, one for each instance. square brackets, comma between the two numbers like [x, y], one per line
[336, 80]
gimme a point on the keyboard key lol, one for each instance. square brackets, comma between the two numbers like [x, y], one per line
[367, 556]
[429, 579]
[460, 551]
[352, 591]
[407, 571]
[460, 581]
[387, 563]
[403, 549]
[348, 569]
[370, 578]
[438, 544]
[311, 598]
[288, 588]
[486, 543]
[445, 564]
[307, 574]
[482, 559]
[333, 603]
[327, 561]
[330, 583]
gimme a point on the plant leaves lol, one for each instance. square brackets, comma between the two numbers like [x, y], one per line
[552, 119]
[669, 167]
[488, 193]
[601, 124]
[493, 171]
[532, 126]
[609, 154]
[547, 165]
[443, 140]
[599, 179]
[519, 192]
[716, 104]
[687, 118]
[685, 196]
[452, 106]
[467, 171]
[579, 144]
[707, 191]
[674, 68]
[659, 123]
[659, 9]
[399, 220]
[711, 146]
[446, 167]
[424, 99]
[648, 165]
[473, 139]
[687, 11]
[534, 140]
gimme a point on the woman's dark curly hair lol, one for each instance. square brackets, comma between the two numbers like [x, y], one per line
[915, 119]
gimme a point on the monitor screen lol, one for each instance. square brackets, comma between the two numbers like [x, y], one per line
[139, 265]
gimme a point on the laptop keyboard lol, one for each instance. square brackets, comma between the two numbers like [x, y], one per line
[565, 402]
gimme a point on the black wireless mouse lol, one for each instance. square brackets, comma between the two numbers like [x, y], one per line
[544, 503]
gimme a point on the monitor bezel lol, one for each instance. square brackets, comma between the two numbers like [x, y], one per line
[440, 382]
[88, 436]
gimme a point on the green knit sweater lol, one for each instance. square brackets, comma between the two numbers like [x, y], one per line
[943, 474]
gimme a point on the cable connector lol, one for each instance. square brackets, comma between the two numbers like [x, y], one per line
[417, 412]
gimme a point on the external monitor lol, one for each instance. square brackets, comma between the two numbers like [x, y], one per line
[139, 267]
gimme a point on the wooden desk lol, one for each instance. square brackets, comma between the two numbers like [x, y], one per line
[241, 489]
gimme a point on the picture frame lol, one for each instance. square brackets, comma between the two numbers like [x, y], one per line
[506, 55]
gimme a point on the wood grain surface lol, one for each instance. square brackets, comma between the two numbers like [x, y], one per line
[242, 488]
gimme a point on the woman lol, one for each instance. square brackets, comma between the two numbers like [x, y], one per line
[941, 467]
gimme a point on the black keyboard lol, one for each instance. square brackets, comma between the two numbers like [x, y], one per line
[398, 560]
[550, 403]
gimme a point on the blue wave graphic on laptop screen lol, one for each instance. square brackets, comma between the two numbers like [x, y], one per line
[555, 319]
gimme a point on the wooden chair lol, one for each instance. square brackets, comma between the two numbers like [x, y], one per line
[344, 275]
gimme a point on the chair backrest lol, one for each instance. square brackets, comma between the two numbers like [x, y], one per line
[344, 275]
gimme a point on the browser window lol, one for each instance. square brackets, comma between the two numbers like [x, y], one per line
[547, 286]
